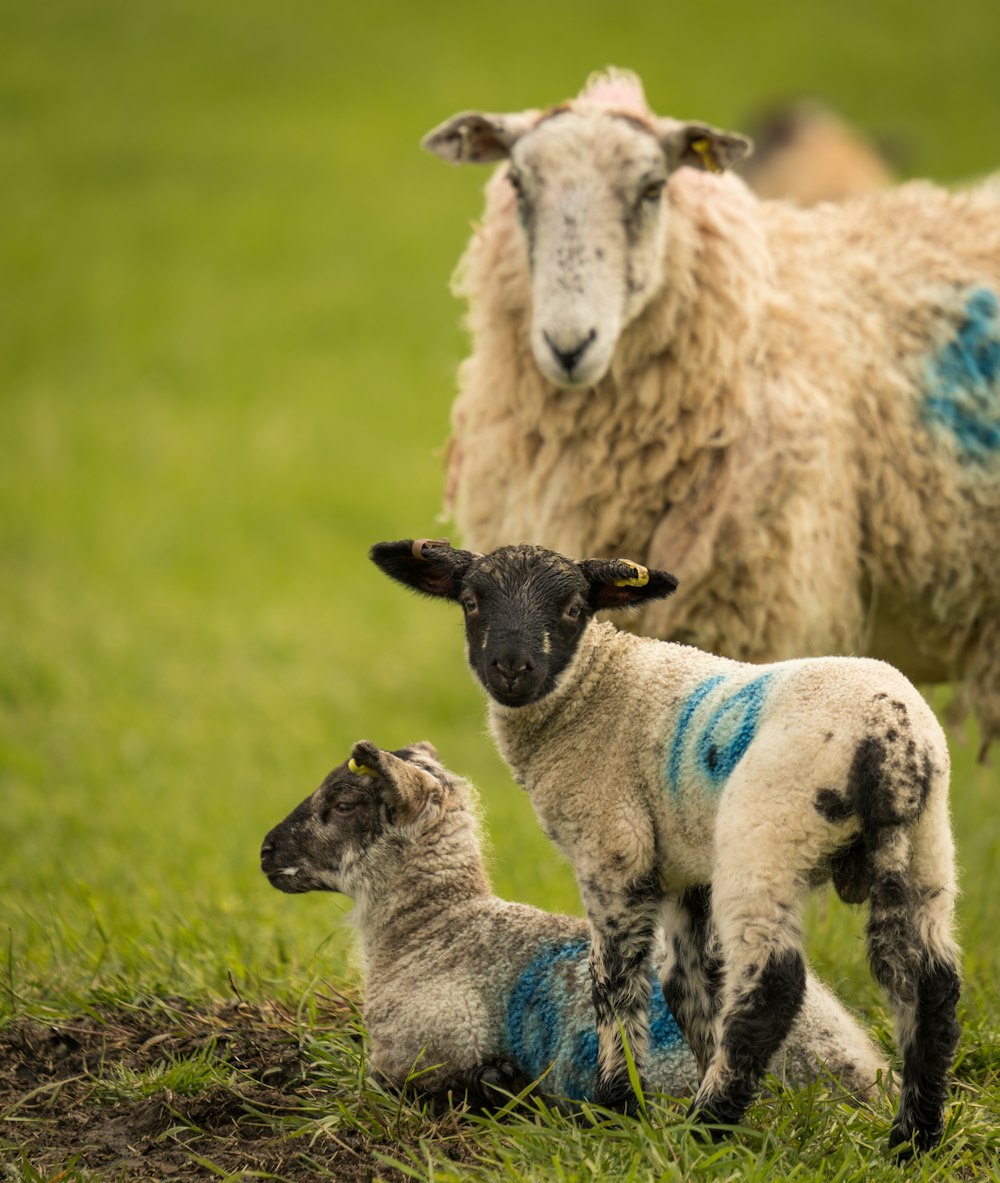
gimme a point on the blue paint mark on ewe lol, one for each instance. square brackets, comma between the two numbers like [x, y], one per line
[962, 392]
[712, 747]
[551, 1025]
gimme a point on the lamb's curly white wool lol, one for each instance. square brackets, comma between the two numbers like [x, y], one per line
[796, 410]
[467, 993]
[710, 795]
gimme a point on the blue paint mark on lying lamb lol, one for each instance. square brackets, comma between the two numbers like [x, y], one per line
[474, 991]
[836, 769]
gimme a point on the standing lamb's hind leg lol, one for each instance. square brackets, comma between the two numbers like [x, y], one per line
[914, 959]
[756, 909]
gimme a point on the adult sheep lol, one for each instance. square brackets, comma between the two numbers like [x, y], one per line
[797, 411]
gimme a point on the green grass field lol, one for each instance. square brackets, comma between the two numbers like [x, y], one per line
[227, 357]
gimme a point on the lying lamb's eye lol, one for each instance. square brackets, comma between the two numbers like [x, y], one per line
[652, 191]
[470, 604]
[341, 809]
[571, 612]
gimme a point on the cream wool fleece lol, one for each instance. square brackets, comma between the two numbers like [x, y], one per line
[804, 426]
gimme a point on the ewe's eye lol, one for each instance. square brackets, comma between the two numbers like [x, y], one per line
[652, 191]
[516, 184]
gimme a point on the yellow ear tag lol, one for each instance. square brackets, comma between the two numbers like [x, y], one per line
[639, 579]
[703, 147]
[360, 769]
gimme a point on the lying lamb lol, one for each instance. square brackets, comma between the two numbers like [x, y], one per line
[801, 408]
[466, 991]
[680, 784]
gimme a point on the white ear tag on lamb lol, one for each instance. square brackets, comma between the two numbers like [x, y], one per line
[360, 769]
[638, 578]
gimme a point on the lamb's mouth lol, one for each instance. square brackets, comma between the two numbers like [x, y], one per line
[287, 879]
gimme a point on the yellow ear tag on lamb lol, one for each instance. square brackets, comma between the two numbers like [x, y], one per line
[703, 147]
[360, 769]
[639, 577]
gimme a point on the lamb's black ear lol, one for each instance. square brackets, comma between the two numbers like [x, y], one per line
[427, 565]
[405, 786]
[620, 583]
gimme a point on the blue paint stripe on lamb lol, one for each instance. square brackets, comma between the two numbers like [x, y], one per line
[711, 748]
[550, 1022]
[730, 730]
[962, 392]
[694, 701]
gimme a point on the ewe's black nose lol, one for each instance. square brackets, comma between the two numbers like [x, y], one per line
[569, 356]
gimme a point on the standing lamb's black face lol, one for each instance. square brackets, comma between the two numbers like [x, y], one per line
[525, 607]
[321, 845]
[525, 610]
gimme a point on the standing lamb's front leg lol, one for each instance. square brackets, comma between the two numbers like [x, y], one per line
[691, 974]
[623, 923]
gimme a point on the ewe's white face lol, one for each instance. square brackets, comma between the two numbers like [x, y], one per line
[590, 180]
[591, 204]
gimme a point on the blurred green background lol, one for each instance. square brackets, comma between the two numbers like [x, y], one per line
[227, 357]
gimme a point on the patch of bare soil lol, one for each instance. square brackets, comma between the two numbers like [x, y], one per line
[63, 1104]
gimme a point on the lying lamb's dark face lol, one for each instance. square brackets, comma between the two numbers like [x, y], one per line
[321, 845]
[525, 607]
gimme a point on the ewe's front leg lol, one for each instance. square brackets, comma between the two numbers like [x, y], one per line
[623, 923]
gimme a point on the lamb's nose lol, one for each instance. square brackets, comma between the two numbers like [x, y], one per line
[265, 854]
[568, 358]
[511, 668]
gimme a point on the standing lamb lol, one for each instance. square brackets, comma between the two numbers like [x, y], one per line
[466, 991]
[800, 408]
[695, 790]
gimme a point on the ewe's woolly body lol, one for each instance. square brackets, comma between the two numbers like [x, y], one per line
[768, 429]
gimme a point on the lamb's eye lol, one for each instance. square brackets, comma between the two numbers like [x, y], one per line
[652, 191]
[571, 613]
[341, 809]
[470, 604]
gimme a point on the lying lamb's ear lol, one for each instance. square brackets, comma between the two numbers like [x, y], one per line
[429, 566]
[476, 138]
[701, 146]
[407, 788]
[620, 583]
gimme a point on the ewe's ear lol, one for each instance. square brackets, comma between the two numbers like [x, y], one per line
[476, 138]
[405, 787]
[619, 583]
[427, 565]
[701, 146]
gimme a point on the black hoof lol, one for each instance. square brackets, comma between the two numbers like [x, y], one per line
[905, 1141]
[617, 1095]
